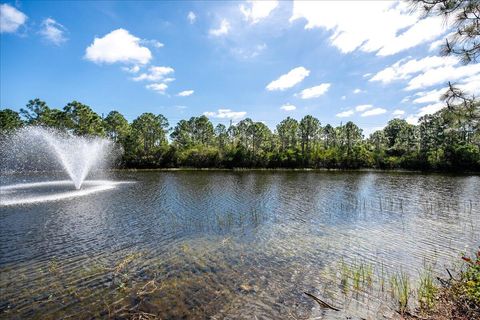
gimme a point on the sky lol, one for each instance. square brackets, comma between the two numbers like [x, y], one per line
[367, 62]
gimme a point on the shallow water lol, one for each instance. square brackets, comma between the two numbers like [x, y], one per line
[221, 244]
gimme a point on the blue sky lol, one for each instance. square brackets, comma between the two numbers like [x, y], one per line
[364, 61]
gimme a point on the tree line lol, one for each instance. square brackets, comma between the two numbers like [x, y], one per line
[446, 140]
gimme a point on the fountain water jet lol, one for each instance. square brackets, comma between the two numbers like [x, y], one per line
[38, 148]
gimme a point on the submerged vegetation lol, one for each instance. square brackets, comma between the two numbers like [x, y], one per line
[446, 140]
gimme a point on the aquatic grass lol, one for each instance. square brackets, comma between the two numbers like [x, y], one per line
[400, 288]
[427, 290]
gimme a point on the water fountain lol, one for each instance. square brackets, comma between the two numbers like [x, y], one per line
[39, 149]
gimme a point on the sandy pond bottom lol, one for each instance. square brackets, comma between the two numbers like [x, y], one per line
[193, 244]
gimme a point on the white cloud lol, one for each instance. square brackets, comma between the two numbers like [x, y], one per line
[223, 29]
[118, 46]
[411, 119]
[344, 97]
[288, 107]
[429, 96]
[315, 92]
[53, 31]
[442, 75]
[406, 99]
[153, 43]
[357, 91]
[398, 113]
[258, 10]
[192, 17]
[132, 69]
[471, 84]
[430, 109]
[436, 44]
[369, 130]
[226, 114]
[385, 27]
[345, 114]
[289, 79]
[158, 87]
[373, 112]
[249, 53]
[156, 74]
[10, 18]
[403, 69]
[185, 93]
[366, 75]
[363, 107]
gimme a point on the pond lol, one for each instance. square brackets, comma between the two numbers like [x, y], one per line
[232, 244]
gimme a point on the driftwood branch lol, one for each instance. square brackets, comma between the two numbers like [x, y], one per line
[323, 304]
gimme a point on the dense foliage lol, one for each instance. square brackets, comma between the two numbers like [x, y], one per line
[446, 140]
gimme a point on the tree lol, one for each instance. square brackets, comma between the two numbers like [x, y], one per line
[309, 131]
[287, 131]
[150, 131]
[116, 126]
[9, 120]
[221, 136]
[36, 111]
[465, 41]
[83, 120]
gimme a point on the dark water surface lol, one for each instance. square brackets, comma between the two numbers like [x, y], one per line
[222, 244]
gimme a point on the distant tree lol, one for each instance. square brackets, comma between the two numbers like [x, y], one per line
[35, 112]
[150, 131]
[83, 120]
[287, 131]
[9, 120]
[309, 130]
[116, 126]
[221, 136]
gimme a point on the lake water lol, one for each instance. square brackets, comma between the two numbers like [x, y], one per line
[230, 244]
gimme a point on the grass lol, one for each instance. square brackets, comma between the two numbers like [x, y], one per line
[427, 291]
[400, 286]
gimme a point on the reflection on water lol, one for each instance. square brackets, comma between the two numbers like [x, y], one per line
[230, 244]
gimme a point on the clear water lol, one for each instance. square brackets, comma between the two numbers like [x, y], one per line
[222, 244]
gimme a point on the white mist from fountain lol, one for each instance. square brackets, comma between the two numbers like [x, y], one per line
[38, 149]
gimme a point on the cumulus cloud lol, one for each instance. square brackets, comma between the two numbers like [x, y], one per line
[357, 91]
[442, 75]
[185, 93]
[158, 87]
[428, 109]
[53, 31]
[344, 97]
[153, 43]
[226, 114]
[192, 17]
[357, 27]
[363, 107]
[222, 30]
[257, 10]
[429, 96]
[249, 53]
[156, 73]
[315, 92]
[345, 114]
[289, 79]
[288, 107]
[398, 113]
[118, 46]
[405, 69]
[10, 18]
[373, 112]
[132, 69]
